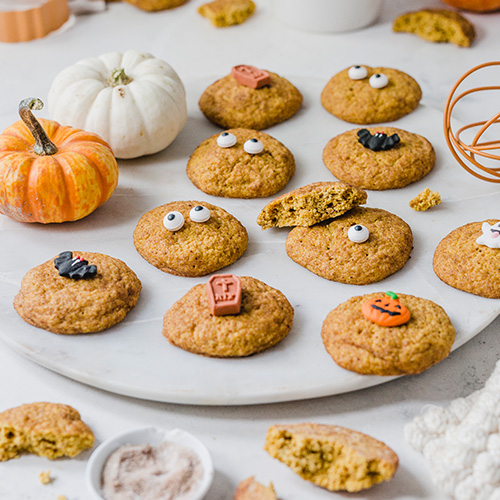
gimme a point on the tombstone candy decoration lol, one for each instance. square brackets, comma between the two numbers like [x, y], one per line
[251, 76]
[224, 294]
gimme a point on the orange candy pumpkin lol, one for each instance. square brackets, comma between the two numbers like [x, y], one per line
[386, 311]
[52, 173]
[475, 5]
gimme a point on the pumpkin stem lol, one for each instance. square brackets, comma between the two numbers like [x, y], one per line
[392, 295]
[118, 77]
[43, 145]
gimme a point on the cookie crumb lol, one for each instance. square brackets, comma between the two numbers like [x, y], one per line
[222, 13]
[44, 477]
[425, 200]
[250, 489]
[61, 497]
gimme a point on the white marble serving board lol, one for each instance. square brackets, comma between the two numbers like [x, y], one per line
[134, 359]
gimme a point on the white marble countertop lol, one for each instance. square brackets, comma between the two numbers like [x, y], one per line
[235, 435]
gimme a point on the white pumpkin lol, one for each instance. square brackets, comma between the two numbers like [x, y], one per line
[135, 102]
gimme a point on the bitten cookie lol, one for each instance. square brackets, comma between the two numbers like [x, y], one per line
[230, 104]
[437, 25]
[311, 204]
[155, 5]
[241, 163]
[224, 13]
[69, 304]
[49, 430]
[190, 238]
[359, 344]
[332, 457]
[362, 246]
[361, 94]
[264, 319]
[408, 158]
[469, 258]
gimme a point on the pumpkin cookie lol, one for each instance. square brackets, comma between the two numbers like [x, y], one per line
[49, 430]
[469, 258]
[361, 94]
[265, 317]
[332, 457]
[379, 158]
[154, 5]
[78, 292]
[241, 163]
[190, 238]
[311, 204]
[362, 246]
[224, 13]
[437, 25]
[357, 343]
[230, 104]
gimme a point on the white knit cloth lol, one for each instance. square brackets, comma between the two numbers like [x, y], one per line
[462, 443]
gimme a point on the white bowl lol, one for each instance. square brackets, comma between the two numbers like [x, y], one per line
[328, 16]
[154, 437]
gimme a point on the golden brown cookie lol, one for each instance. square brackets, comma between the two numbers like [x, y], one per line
[232, 172]
[250, 489]
[224, 13]
[425, 200]
[64, 305]
[336, 249]
[196, 248]
[464, 263]
[409, 160]
[155, 5]
[231, 105]
[265, 318]
[49, 430]
[311, 204]
[437, 25]
[354, 95]
[332, 457]
[360, 345]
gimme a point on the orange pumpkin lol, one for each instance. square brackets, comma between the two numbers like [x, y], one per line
[475, 5]
[386, 311]
[52, 173]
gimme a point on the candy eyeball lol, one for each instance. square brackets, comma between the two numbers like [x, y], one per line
[358, 233]
[378, 81]
[357, 72]
[173, 221]
[226, 140]
[199, 214]
[253, 146]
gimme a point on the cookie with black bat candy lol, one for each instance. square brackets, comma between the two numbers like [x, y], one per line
[77, 292]
[373, 158]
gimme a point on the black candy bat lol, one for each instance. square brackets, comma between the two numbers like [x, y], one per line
[377, 142]
[74, 267]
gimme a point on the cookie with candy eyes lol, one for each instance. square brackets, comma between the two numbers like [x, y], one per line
[468, 258]
[379, 158]
[362, 246]
[77, 292]
[190, 238]
[362, 94]
[241, 163]
[250, 98]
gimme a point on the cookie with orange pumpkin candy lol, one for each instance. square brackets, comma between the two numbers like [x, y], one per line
[387, 334]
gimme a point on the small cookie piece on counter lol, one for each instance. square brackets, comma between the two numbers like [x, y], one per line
[255, 165]
[230, 104]
[250, 489]
[44, 477]
[190, 238]
[155, 5]
[362, 94]
[265, 318]
[362, 246]
[425, 200]
[410, 159]
[311, 204]
[468, 258]
[49, 430]
[222, 13]
[83, 293]
[359, 344]
[437, 25]
[331, 456]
